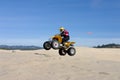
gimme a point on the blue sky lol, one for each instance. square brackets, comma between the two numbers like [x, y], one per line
[31, 22]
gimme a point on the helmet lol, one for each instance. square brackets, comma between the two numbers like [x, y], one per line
[62, 29]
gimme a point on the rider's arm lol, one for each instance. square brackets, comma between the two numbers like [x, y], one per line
[62, 34]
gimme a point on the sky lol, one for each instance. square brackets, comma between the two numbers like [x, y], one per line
[32, 22]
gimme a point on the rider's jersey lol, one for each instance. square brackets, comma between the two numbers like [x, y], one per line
[65, 33]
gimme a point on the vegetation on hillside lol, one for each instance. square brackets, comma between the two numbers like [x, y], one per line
[6, 47]
[112, 45]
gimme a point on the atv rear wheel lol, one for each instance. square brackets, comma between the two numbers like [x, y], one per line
[62, 52]
[55, 44]
[47, 45]
[71, 51]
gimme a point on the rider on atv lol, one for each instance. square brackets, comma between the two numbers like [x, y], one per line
[60, 42]
[65, 35]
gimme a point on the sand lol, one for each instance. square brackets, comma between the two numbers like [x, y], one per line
[87, 64]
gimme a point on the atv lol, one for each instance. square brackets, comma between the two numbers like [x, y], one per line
[56, 43]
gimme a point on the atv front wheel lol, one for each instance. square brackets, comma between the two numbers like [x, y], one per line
[55, 44]
[47, 45]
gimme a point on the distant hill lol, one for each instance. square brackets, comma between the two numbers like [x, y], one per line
[6, 47]
[112, 45]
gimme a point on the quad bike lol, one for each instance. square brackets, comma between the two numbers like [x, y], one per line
[56, 43]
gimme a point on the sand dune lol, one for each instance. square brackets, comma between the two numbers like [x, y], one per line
[87, 64]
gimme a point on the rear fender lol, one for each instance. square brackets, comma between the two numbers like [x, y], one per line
[68, 44]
